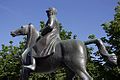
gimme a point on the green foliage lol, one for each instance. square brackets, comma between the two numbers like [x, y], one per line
[10, 61]
[66, 34]
[112, 30]
[91, 36]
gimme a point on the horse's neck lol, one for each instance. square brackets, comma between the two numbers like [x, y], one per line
[31, 37]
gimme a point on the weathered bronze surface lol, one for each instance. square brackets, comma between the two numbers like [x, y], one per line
[49, 52]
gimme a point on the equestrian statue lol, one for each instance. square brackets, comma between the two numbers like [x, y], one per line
[46, 52]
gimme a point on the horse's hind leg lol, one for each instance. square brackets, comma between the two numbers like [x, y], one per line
[78, 65]
[83, 73]
[69, 74]
[81, 70]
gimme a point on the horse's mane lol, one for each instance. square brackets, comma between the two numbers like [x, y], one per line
[32, 35]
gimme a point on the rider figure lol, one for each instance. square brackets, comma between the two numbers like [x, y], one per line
[49, 34]
[45, 44]
[52, 23]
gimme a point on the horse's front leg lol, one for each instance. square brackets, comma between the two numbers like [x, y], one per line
[25, 55]
[26, 69]
[24, 74]
[31, 66]
[28, 63]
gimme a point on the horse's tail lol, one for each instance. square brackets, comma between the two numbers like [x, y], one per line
[92, 41]
[99, 43]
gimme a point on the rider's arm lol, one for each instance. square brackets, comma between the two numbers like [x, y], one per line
[48, 27]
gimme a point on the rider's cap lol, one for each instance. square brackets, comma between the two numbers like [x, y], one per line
[52, 9]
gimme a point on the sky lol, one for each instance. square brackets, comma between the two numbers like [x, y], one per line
[82, 17]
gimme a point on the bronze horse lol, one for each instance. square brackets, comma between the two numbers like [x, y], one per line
[69, 53]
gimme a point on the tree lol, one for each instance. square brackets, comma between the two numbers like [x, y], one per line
[112, 39]
[10, 61]
[112, 30]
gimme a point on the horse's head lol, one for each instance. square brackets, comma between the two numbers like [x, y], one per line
[23, 30]
[112, 58]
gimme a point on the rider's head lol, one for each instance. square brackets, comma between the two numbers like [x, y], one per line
[51, 11]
